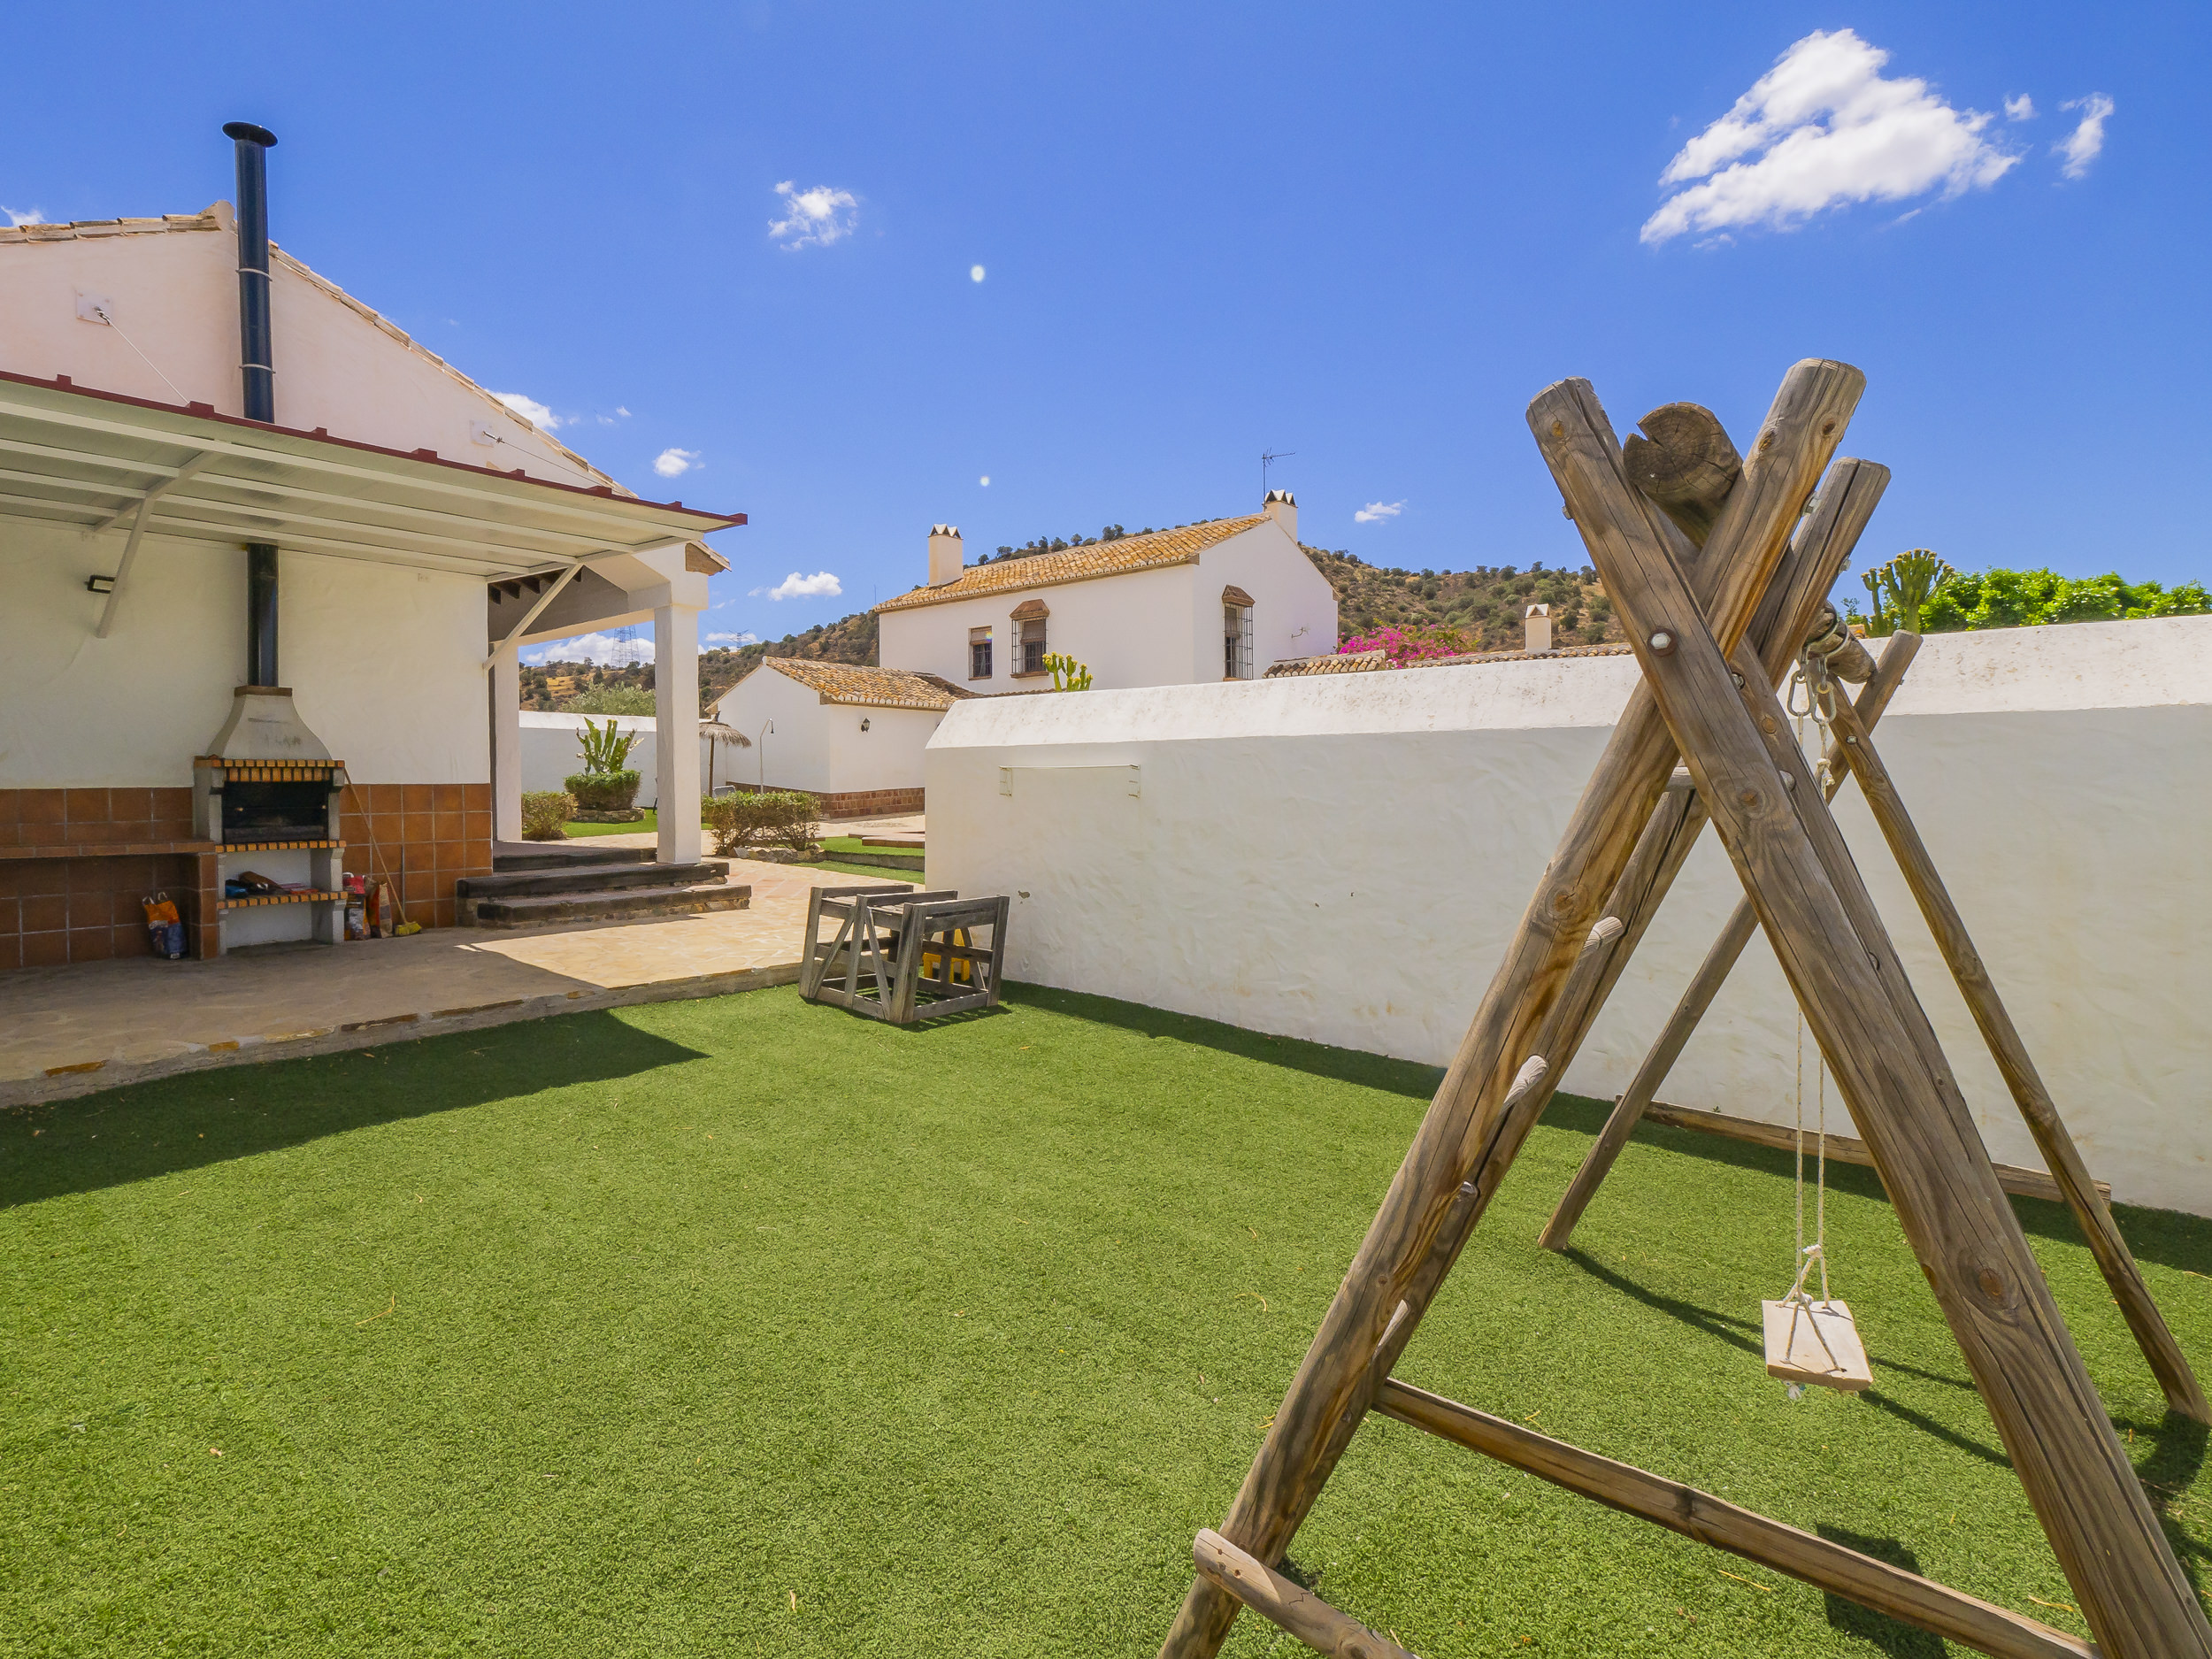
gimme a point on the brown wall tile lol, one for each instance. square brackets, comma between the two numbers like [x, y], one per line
[46, 913]
[85, 806]
[420, 797]
[40, 806]
[91, 944]
[45, 950]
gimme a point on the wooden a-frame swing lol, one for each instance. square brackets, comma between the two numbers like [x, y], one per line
[1719, 598]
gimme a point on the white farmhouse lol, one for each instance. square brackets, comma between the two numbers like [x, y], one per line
[1207, 602]
[851, 736]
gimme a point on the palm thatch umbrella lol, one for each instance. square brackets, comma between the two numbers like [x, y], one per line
[720, 736]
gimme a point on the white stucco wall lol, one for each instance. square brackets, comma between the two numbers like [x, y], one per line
[175, 293]
[552, 748]
[1131, 630]
[381, 661]
[817, 746]
[1343, 859]
[1293, 607]
[1156, 628]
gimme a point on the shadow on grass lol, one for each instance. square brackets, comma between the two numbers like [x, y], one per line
[145, 1130]
[1340, 1065]
[2165, 1236]
[2177, 1453]
[1737, 1333]
[1891, 1636]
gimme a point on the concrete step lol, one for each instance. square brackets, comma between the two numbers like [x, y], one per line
[507, 856]
[635, 904]
[609, 878]
[875, 860]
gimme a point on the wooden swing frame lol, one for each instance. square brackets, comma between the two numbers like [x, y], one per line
[1717, 596]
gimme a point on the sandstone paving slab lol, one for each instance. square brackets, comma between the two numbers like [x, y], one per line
[93, 1025]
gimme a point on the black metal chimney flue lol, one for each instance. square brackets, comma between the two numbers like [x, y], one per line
[257, 366]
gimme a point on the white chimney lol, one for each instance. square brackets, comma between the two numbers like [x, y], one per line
[1536, 629]
[945, 559]
[1282, 507]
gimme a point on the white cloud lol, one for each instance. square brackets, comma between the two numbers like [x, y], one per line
[975, 273]
[589, 648]
[2020, 109]
[2082, 146]
[817, 217]
[1379, 512]
[532, 411]
[985, 481]
[622, 412]
[821, 585]
[674, 463]
[1821, 128]
[732, 639]
[24, 216]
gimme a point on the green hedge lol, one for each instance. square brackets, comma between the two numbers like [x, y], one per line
[770, 817]
[603, 791]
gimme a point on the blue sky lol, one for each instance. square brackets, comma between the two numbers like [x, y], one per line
[1366, 236]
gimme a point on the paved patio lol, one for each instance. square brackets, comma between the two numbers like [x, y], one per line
[95, 1026]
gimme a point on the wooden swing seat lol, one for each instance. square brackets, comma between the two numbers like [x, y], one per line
[1795, 1333]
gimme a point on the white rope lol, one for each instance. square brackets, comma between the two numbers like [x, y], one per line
[1811, 679]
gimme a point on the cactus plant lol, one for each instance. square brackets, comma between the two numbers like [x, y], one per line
[1906, 583]
[606, 750]
[1067, 673]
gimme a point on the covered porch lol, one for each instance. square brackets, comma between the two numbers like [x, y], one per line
[123, 529]
[663, 586]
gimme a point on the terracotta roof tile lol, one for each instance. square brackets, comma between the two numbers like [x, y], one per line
[1117, 557]
[870, 687]
[1342, 662]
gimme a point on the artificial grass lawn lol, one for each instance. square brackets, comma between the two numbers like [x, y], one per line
[738, 1326]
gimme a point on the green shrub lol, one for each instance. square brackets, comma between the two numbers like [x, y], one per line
[2021, 599]
[603, 791]
[744, 822]
[544, 814]
[611, 700]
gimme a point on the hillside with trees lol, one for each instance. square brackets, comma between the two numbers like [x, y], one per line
[1483, 606]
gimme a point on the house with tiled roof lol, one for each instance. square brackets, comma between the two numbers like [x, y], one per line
[1220, 600]
[850, 735]
[267, 563]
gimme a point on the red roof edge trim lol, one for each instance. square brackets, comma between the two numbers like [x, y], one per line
[206, 412]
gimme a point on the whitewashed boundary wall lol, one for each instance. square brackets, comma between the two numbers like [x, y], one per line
[1343, 858]
[552, 747]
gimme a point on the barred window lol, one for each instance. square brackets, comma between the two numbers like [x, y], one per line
[979, 653]
[1032, 647]
[1236, 641]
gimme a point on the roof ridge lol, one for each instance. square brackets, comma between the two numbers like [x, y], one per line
[1092, 560]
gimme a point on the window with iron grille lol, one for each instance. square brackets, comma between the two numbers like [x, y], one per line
[1032, 647]
[979, 653]
[1236, 641]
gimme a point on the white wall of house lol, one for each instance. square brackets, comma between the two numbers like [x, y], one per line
[1294, 608]
[820, 746]
[175, 293]
[381, 661]
[1343, 858]
[1156, 627]
[1129, 630]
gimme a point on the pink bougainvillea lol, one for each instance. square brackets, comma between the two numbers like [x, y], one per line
[1400, 646]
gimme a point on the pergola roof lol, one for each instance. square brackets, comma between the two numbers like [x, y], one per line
[94, 460]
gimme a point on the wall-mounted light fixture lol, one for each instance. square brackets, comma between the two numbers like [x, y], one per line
[863, 726]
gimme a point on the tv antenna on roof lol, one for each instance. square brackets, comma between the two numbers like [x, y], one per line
[1268, 458]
